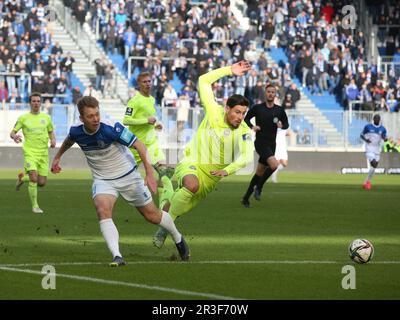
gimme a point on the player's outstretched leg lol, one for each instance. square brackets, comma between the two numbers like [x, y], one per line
[166, 223]
[163, 170]
[166, 194]
[159, 237]
[166, 191]
[180, 204]
[183, 249]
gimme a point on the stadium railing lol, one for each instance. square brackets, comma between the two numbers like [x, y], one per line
[386, 64]
[307, 129]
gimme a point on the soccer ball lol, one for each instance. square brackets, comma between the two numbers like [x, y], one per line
[361, 250]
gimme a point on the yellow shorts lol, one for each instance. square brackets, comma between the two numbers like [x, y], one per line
[37, 163]
[206, 183]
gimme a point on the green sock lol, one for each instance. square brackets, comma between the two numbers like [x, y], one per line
[166, 192]
[181, 202]
[32, 190]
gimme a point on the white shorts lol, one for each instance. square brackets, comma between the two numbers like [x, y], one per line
[130, 187]
[281, 152]
[373, 156]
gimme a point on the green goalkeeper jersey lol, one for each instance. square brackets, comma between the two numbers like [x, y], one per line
[36, 128]
[139, 109]
[217, 145]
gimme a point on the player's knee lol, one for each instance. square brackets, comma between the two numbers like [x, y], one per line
[103, 213]
[191, 184]
[192, 187]
[274, 166]
[33, 179]
[260, 169]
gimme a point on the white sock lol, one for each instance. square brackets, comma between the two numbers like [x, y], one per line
[111, 235]
[370, 173]
[168, 224]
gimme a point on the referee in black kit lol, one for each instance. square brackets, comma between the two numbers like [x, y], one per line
[269, 117]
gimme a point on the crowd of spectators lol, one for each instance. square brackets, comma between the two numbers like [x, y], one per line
[178, 39]
[29, 58]
[326, 56]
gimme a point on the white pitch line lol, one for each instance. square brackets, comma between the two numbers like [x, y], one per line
[127, 284]
[195, 262]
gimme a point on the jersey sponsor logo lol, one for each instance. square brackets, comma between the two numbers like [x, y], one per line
[101, 143]
[129, 111]
[246, 136]
[192, 167]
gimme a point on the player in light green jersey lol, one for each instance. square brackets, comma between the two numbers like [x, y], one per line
[222, 145]
[140, 116]
[37, 129]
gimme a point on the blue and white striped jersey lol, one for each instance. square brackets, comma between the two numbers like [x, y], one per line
[106, 150]
[376, 134]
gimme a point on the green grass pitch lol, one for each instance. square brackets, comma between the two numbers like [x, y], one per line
[291, 245]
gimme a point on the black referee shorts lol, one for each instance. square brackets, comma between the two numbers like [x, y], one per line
[264, 150]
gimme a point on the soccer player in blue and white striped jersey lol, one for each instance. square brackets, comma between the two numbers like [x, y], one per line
[373, 134]
[114, 172]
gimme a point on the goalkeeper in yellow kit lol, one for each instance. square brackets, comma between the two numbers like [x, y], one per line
[38, 130]
[140, 117]
[222, 145]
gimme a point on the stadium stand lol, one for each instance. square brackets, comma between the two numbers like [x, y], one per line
[301, 46]
[332, 63]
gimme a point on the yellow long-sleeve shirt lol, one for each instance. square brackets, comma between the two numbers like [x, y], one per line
[217, 145]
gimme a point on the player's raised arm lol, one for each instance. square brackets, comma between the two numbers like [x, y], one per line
[206, 80]
[55, 165]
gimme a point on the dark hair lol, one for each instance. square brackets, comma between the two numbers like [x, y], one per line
[237, 99]
[377, 118]
[87, 102]
[35, 94]
[270, 85]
